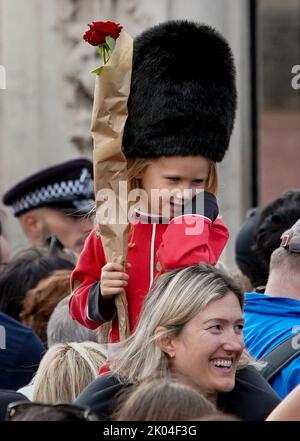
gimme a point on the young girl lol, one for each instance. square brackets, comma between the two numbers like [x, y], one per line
[181, 112]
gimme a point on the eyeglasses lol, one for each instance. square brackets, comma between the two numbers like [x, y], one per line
[35, 411]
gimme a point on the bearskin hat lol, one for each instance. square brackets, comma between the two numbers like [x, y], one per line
[183, 94]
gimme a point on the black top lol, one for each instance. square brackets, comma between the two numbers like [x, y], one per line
[21, 351]
[252, 398]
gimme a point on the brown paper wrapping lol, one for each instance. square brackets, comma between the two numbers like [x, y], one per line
[109, 115]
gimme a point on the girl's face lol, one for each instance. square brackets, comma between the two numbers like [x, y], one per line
[171, 176]
[208, 348]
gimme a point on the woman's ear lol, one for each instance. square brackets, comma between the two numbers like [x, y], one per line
[165, 342]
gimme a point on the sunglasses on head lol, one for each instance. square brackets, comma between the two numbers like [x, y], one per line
[35, 411]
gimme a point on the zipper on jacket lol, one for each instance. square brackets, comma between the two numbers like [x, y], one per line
[152, 253]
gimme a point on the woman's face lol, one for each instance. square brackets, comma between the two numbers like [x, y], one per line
[166, 179]
[209, 347]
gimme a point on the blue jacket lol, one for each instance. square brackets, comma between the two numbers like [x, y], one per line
[21, 351]
[269, 321]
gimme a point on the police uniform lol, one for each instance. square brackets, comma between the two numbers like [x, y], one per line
[67, 187]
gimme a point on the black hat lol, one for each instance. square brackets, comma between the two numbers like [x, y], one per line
[67, 187]
[7, 397]
[183, 94]
[246, 258]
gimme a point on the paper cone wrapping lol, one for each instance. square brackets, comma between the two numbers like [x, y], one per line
[112, 89]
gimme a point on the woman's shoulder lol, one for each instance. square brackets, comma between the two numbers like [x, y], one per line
[101, 396]
[252, 398]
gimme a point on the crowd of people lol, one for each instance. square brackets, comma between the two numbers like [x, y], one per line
[206, 342]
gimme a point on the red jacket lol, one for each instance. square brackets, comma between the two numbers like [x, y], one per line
[157, 248]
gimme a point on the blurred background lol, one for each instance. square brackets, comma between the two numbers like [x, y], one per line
[46, 107]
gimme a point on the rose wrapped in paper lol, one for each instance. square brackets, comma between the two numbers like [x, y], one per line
[112, 89]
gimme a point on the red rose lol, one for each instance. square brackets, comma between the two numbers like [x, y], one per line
[99, 30]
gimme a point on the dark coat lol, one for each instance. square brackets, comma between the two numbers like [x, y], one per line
[252, 399]
[21, 351]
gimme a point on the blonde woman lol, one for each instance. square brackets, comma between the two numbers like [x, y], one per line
[191, 327]
[65, 370]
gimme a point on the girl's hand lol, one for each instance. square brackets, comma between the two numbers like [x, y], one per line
[113, 279]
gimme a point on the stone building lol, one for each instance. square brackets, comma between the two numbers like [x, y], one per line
[45, 109]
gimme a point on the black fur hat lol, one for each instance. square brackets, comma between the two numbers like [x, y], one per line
[183, 93]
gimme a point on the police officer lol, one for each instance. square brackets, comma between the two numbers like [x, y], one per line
[55, 202]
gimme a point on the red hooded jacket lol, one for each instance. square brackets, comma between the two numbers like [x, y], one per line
[185, 241]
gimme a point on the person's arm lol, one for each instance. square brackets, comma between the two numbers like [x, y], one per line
[288, 409]
[197, 236]
[87, 305]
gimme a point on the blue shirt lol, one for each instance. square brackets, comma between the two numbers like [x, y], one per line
[21, 351]
[269, 321]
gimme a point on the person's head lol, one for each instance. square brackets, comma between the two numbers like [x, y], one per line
[190, 326]
[163, 400]
[284, 277]
[275, 218]
[40, 301]
[55, 201]
[41, 223]
[285, 262]
[170, 177]
[178, 128]
[66, 369]
[23, 273]
[62, 329]
[248, 261]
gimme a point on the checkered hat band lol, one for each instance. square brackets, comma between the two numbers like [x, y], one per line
[57, 192]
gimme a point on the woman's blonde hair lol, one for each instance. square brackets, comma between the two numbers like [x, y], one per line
[66, 369]
[175, 298]
[163, 400]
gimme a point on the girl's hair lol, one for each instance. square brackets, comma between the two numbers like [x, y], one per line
[163, 400]
[66, 369]
[212, 180]
[175, 298]
[134, 168]
[138, 165]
